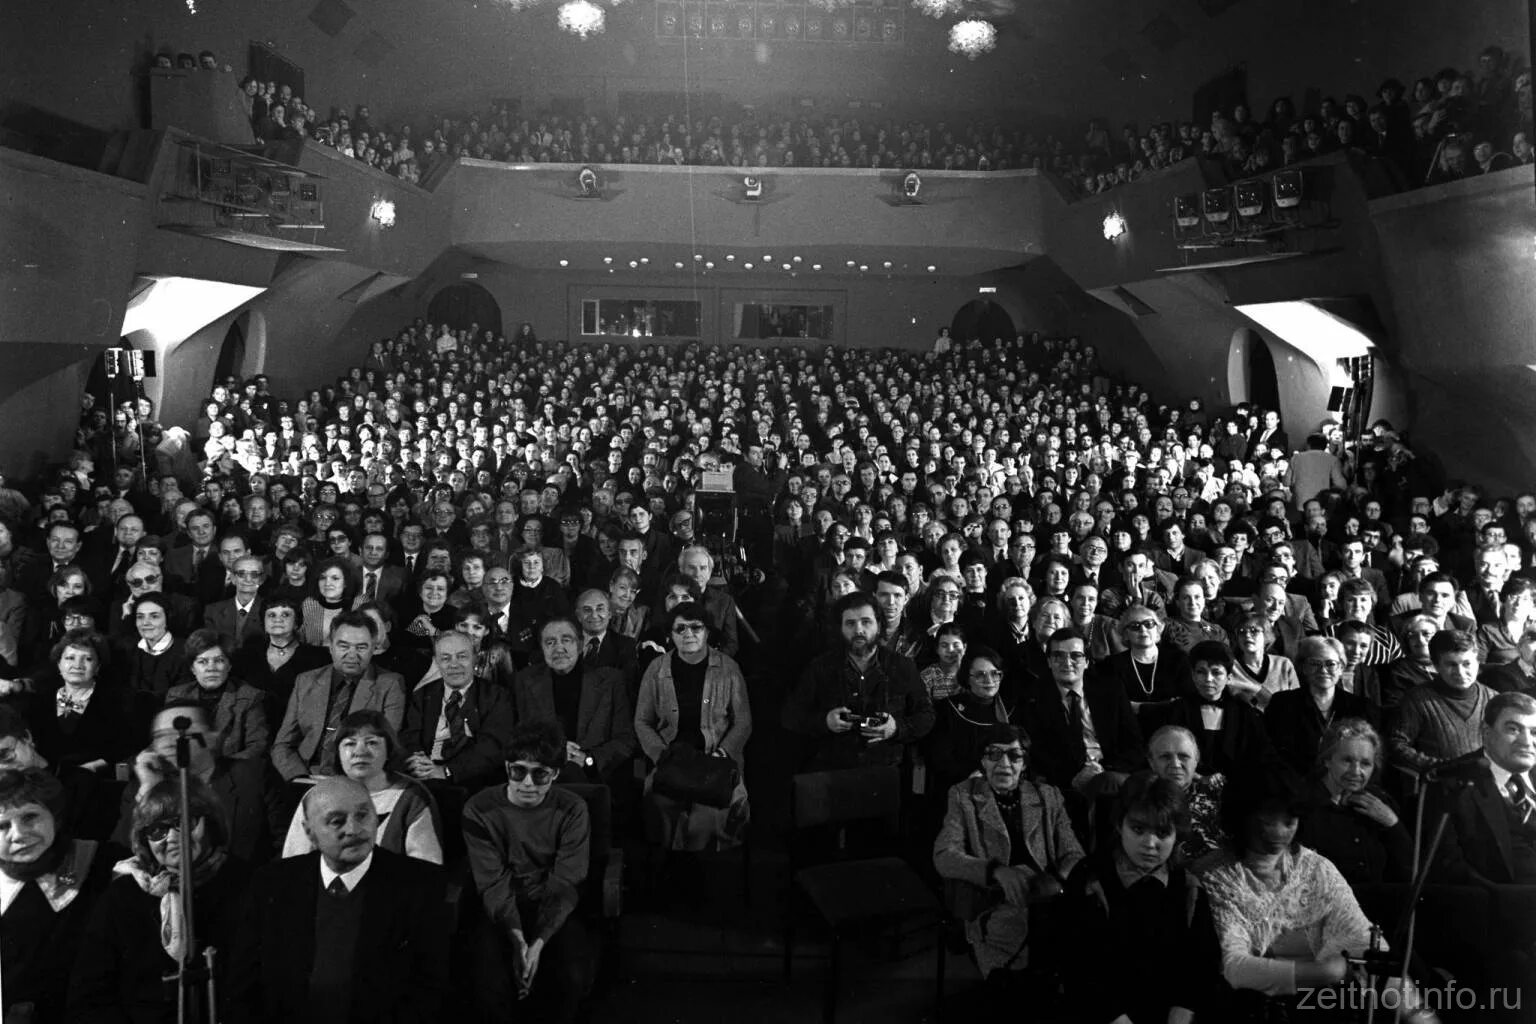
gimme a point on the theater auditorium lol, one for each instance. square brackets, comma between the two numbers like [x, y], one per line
[681, 511]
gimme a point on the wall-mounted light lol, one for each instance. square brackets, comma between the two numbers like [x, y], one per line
[1114, 225]
[586, 180]
[753, 186]
[911, 185]
[383, 211]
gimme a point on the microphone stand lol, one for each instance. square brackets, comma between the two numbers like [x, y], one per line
[189, 972]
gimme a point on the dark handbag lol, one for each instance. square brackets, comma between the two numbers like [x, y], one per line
[690, 776]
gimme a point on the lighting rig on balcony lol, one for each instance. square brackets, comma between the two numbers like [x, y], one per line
[1252, 211]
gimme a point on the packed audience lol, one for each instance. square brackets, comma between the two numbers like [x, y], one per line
[1158, 681]
[1449, 125]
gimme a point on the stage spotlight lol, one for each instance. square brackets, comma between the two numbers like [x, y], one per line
[1250, 198]
[1216, 203]
[1114, 226]
[587, 179]
[911, 185]
[1287, 189]
[1186, 211]
[753, 186]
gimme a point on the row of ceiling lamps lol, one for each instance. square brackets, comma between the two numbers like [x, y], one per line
[747, 265]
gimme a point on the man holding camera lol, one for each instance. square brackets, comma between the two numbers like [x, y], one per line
[860, 703]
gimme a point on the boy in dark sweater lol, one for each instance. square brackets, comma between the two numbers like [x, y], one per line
[528, 851]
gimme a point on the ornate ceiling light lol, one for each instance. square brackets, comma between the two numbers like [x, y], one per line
[581, 17]
[938, 8]
[972, 38]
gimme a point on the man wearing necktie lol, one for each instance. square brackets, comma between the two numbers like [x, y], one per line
[1489, 797]
[456, 726]
[239, 618]
[1086, 739]
[350, 932]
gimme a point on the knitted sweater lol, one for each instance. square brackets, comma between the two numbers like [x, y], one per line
[1435, 724]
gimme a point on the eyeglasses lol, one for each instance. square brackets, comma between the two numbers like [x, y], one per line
[1067, 656]
[542, 776]
[144, 581]
[1141, 624]
[687, 628]
[161, 830]
[247, 574]
[986, 676]
[995, 754]
[946, 595]
[1324, 666]
[1250, 631]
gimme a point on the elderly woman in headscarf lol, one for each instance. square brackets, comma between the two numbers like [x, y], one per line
[136, 935]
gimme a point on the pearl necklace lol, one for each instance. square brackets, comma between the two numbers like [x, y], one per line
[1147, 686]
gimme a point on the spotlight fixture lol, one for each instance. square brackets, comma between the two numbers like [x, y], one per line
[607, 259]
[753, 188]
[853, 263]
[565, 263]
[786, 266]
[932, 268]
[796, 259]
[645, 259]
[887, 264]
[709, 264]
[678, 264]
[1216, 204]
[815, 266]
[747, 265]
[911, 185]
[383, 211]
[1287, 186]
[586, 180]
[1114, 225]
[730, 257]
[863, 266]
[1186, 211]
[634, 264]
[1250, 198]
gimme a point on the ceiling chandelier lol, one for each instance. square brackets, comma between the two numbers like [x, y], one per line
[972, 38]
[581, 18]
[938, 8]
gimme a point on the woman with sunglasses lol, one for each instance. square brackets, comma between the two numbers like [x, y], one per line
[694, 697]
[528, 844]
[48, 884]
[1008, 843]
[136, 935]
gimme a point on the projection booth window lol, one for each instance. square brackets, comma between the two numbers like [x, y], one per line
[786, 321]
[640, 318]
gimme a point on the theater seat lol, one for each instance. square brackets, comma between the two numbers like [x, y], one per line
[867, 897]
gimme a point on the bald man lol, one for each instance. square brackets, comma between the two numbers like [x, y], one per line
[602, 647]
[349, 932]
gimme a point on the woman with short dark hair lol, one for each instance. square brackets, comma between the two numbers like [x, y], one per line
[234, 707]
[48, 883]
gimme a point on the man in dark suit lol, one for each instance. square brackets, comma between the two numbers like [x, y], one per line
[591, 704]
[383, 584]
[1086, 739]
[1270, 436]
[350, 932]
[184, 565]
[63, 543]
[240, 617]
[1490, 798]
[108, 555]
[456, 728]
[601, 647]
[322, 697]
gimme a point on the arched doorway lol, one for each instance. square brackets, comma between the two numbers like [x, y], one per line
[1251, 374]
[232, 353]
[460, 305]
[982, 319]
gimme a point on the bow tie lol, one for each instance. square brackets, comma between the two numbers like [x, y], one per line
[67, 705]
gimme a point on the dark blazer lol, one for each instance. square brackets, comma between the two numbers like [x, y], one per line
[476, 760]
[121, 962]
[605, 718]
[206, 584]
[1241, 742]
[1478, 847]
[38, 944]
[220, 616]
[98, 733]
[891, 686]
[618, 652]
[1058, 754]
[394, 584]
[400, 963]
[1296, 727]
[250, 664]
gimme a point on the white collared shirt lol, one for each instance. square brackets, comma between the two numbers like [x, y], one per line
[351, 879]
[1501, 777]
